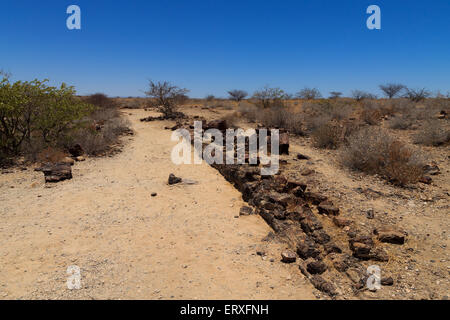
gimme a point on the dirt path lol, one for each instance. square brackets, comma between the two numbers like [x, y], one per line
[185, 243]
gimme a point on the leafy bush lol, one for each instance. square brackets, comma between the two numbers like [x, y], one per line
[37, 119]
[34, 109]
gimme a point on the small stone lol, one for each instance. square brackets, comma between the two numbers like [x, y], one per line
[316, 267]
[328, 209]
[288, 256]
[426, 180]
[245, 211]
[307, 172]
[341, 222]
[173, 179]
[387, 281]
[154, 194]
[302, 157]
[390, 235]
[370, 214]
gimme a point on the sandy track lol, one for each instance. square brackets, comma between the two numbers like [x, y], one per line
[185, 243]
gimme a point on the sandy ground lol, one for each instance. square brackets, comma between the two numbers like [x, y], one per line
[185, 243]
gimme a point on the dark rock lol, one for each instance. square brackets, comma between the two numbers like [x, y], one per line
[387, 281]
[307, 248]
[327, 209]
[292, 185]
[314, 197]
[390, 235]
[217, 124]
[320, 236]
[426, 180]
[284, 143]
[379, 254]
[370, 214]
[76, 150]
[331, 247]
[288, 256]
[283, 199]
[245, 211]
[322, 285]
[173, 179]
[154, 194]
[432, 169]
[341, 222]
[307, 172]
[302, 157]
[361, 247]
[340, 262]
[310, 224]
[316, 267]
[57, 172]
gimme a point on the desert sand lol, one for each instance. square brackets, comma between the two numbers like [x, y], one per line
[187, 242]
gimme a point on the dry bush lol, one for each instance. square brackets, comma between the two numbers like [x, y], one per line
[371, 113]
[435, 106]
[101, 100]
[274, 117]
[232, 119]
[400, 105]
[132, 104]
[225, 105]
[402, 122]
[327, 135]
[249, 111]
[314, 121]
[432, 133]
[335, 109]
[295, 124]
[102, 115]
[373, 151]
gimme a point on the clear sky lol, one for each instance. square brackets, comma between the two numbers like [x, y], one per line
[211, 46]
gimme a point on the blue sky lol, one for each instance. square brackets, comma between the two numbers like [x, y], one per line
[211, 46]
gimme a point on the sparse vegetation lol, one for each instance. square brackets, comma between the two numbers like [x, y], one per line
[417, 95]
[166, 97]
[309, 94]
[269, 97]
[391, 90]
[401, 122]
[237, 95]
[35, 117]
[335, 94]
[359, 95]
[432, 133]
[374, 151]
